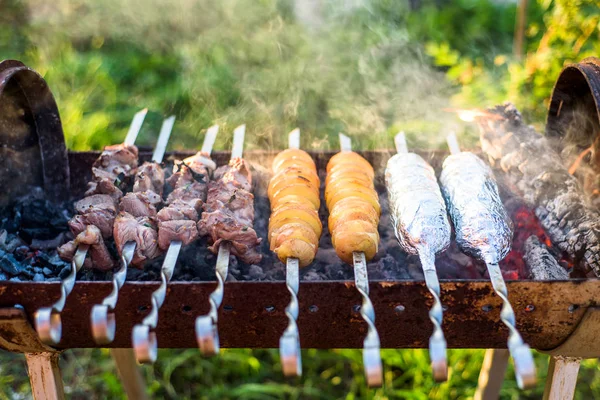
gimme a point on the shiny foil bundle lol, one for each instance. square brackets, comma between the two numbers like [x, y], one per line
[417, 207]
[483, 228]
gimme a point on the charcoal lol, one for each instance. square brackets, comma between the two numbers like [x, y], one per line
[9, 264]
[15, 279]
[64, 273]
[541, 263]
[47, 271]
[3, 277]
[536, 171]
[9, 242]
[39, 278]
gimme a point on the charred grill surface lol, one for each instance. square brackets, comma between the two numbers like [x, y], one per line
[536, 171]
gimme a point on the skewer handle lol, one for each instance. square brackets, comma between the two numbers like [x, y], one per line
[289, 343]
[103, 316]
[437, 341]
[519, 350]
[207, 334]
[371, 345]
[47, 320]
[143, 336]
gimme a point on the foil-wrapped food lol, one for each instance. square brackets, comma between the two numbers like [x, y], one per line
[417, 207]
[483, 228]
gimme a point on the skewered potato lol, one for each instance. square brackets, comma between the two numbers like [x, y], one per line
[294, 226]
[353, 206]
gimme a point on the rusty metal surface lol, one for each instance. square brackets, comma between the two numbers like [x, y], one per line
[253, 312]
[576, 94]
[32, 144]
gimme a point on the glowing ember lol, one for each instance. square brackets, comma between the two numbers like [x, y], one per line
[472, 114]
[578, 160]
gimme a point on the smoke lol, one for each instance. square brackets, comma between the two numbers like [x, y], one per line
[322, 66]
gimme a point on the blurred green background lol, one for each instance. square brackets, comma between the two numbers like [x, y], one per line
[365, 67]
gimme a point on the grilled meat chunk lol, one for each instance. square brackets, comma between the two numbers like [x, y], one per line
[222, 225]
[181, 230]
[229, 212]
[142, 231]
[99, 256]
[140, 204]
[115, 160]
[483, 228]
[150, 177]
[180, 210]
[98, 210]
[417, 206]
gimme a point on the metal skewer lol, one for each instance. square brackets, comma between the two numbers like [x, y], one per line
[207, 333]
[437, 341]
[519, 350]
[289, 343]
[48, 322]
[103, 315]
[371, 344]
[144, 340]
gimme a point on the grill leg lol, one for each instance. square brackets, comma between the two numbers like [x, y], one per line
[492, 374]
[130, 375]
[44, 376]
[562, 378]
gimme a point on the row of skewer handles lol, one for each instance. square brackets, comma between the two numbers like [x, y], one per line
[419, 204]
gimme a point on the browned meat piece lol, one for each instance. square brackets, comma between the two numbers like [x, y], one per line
[191, 191]
[99, 256]
[235, 174]
[240, 202]
[104, 186]
[140, 230]
[139, 204]
[187, 171]
[98, 210]
[149, 177]
[114, 161]
[221, 225]
[99, 201]
[183, 230]
[180, 210]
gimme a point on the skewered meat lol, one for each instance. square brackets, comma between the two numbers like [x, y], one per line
[417, 207]
[141, 204]
[228, 213]
[142, 231]
[294, 226]
[179, 210]
[483, 228]
[181, 230]
[150, 177]
[98, 210]
[114, 164]
[177, 221]
[537, 173]
[99, 256]
[353, 206]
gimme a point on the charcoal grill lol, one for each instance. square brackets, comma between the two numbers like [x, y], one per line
[564, 325]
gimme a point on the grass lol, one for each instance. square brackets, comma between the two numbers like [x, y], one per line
[368, 69]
